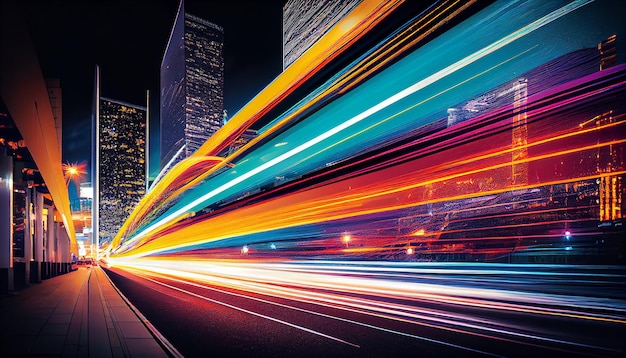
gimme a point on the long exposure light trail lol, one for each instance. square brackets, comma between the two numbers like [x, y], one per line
[334, 43]
[258, 314]
[333, 207]
[302, 310]
[359, 196]
[366, 15]
[480, 131]
[387, 291]
[437, 76]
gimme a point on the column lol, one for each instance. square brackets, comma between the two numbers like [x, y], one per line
[6, 222]
[38, 244]
[64, 250]
[28, 235]
[49, 254]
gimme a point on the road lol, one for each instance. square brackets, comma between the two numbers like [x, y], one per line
[329, 309]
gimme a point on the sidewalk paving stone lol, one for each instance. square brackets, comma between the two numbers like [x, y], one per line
[79, 314]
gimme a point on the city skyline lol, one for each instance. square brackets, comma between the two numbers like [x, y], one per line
[71, 39]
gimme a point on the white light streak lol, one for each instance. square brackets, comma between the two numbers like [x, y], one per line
[437, 76]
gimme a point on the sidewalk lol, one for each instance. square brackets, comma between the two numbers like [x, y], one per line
[79, 314]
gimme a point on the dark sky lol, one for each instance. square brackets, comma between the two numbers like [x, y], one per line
[127, 40]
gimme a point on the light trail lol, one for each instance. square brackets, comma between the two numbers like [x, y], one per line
[191, 283]
[421, 84]
[254, 313]
[381, 290]
[470, 132]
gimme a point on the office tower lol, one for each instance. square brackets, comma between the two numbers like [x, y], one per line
[120, 164]
[305, 21]
[192, 87]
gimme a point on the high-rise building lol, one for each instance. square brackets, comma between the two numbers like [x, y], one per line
[305, 21]
[192, 87]
[120, 164]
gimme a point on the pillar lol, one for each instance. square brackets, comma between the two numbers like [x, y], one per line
[6, 222]
[28, 235]
[49, 240]
[38, 242]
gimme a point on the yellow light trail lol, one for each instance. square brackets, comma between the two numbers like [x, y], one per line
[398, 293]
[163, 222]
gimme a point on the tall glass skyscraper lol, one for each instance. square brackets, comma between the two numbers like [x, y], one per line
[120, 164]
[192, 86]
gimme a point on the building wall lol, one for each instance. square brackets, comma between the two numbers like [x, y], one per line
[192, 86]
[172, 115]
[204, 72]
[122, 160]
[305, 21]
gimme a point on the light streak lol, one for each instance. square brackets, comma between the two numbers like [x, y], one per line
[256, 314]
[147, 277]
[393, 290]
[372, 110]
[346, 193]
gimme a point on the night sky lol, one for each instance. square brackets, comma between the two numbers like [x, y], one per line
[127, 40]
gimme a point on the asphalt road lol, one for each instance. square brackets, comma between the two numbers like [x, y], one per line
[494, 317]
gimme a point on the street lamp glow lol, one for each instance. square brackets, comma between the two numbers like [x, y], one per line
[74, 172]
[346, 239]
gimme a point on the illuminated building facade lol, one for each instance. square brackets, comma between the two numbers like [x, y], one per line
[192, 86]
[305, 21]
[120, 164]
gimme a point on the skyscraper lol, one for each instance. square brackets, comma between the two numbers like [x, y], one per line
[192, 86]
[305, 21]
[120, 164]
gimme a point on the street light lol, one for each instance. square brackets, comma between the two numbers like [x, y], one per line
[346, 239]
[74, 172]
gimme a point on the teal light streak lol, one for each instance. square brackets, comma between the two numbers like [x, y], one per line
[437, 76]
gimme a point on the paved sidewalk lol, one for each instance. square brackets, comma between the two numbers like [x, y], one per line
[79, 314]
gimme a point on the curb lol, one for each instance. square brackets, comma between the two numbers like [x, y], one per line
[161, 340]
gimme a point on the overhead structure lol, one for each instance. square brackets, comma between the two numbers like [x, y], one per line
[23, 90]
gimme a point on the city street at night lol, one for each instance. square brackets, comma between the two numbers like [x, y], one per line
[304, 178]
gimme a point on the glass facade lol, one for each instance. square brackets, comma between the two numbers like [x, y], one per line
[192, 86]
[122, 163]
